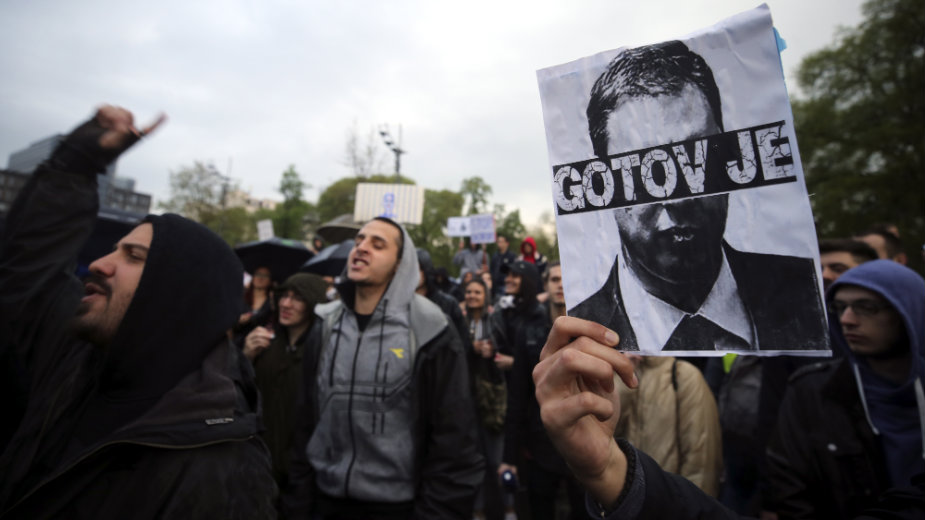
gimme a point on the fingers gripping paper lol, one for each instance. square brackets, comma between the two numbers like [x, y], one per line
[683, 218]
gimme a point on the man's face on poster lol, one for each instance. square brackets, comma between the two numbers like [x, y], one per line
[672, 242]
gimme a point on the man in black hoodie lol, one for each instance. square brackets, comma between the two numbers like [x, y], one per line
[136, 405]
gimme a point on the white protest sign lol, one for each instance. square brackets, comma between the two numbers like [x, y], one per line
[682, 215]
[457, 226]
[265, 229]
[482, 229]
[400, 202]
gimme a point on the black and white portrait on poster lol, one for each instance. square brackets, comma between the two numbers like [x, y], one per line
[682, 215]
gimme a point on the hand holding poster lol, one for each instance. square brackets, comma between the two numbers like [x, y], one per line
[683, 220]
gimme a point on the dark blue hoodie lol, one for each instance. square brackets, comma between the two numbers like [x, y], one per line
[896, 412]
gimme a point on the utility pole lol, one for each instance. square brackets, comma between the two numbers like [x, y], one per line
[395, 147]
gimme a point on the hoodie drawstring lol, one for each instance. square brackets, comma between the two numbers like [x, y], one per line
[920, 401]
[857, 378]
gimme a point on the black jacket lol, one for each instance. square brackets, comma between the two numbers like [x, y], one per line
[523, 336]
[652, 493]
[147, 428]
[824, 460]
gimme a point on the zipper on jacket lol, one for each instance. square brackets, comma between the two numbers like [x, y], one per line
[353, 443]
[336, 345]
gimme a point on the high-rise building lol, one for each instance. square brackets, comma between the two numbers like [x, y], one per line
[115, 192]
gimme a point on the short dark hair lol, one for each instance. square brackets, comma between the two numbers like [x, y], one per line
[648, 71]
[549, 267]
[894, 245]
[401, 233]
[858, 250]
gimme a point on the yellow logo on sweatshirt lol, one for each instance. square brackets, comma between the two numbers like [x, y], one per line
[399, 352]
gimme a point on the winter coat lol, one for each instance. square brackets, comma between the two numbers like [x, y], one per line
[839, 422]
[672, 417]
[651, 493]
[163, 422]
[387, 425]
[523, 336]
[278, 372]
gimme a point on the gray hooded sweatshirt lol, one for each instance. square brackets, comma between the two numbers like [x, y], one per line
[368, 442]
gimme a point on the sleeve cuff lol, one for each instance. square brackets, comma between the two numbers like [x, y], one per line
[629, 503]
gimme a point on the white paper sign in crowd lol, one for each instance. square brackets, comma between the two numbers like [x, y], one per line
[400, 202]
[682, 215]
[480, 228]
[457, 226]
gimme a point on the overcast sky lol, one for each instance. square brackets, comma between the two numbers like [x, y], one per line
[264, 84]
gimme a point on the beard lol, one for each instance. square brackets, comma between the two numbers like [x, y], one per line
[96, 327]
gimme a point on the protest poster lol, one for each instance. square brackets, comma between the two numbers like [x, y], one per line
[457, 227]
[682, 215]
[265, 229]
[402, 203]
[482, 229]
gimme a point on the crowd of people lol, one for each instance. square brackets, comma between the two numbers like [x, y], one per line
[160, 387]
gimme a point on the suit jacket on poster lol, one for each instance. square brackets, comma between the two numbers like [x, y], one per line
[780, 294]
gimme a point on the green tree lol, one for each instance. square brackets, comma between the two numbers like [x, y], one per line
[861, 124]
[475, 191]
[509, 225]
[290, 215]
[430, 234]
[234, 225]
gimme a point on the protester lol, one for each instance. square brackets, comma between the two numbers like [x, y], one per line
[576, 389]
[886, 243]
[277, 357]
[839, 255]
[851, 428]
[529, 254]
[258, 300]
[317, 244]
[672, 416]
[528, 451]
[472, 259]
[489, 284]
[503, 257]
[459, 291]
[490, 395]
[746, 444]
[137, 404]
[427, 287]
[387, 427]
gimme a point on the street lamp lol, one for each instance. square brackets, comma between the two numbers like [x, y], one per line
[395, 147]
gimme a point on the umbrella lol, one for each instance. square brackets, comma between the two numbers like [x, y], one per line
[339, 229]
[330, 261]
[280, 255]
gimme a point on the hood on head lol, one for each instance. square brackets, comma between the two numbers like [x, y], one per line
[309, 286]
[903, 288]
[188, 296]
[528, 240]
[404, 282]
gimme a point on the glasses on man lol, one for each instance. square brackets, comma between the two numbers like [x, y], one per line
[862, 307]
